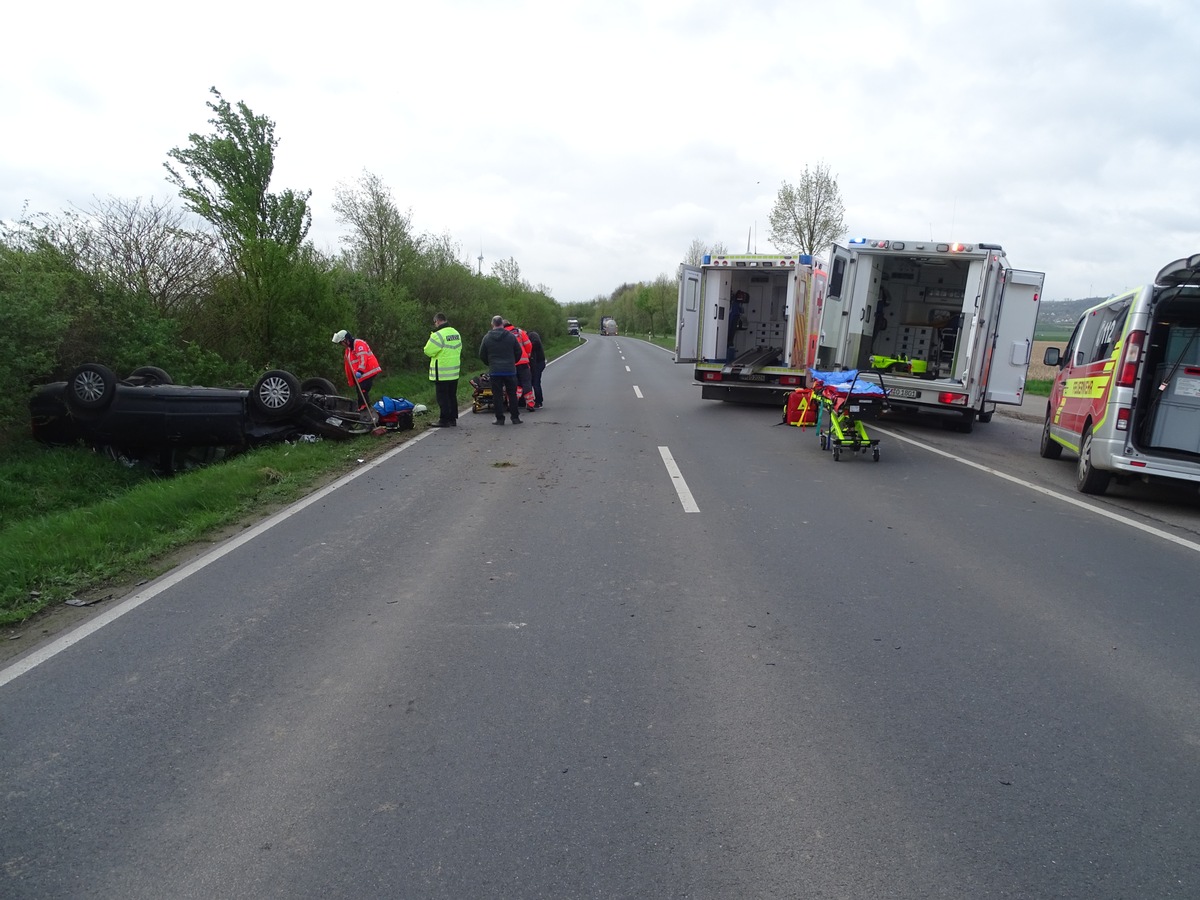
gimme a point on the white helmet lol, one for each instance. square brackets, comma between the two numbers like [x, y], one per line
[339, 336]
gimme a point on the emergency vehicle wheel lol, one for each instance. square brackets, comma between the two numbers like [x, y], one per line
[1049, 448]
[1088, 479]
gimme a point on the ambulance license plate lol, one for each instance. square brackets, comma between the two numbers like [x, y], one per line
[904, 393]
[754, 378]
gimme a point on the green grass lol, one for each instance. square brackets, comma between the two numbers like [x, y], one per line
[79, 542]
[1038, 386]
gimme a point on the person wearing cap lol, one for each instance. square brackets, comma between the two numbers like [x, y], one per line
[500, 351]
[524, 376]
[444, 349]
[361, 364]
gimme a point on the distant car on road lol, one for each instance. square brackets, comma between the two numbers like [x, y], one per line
[146, 413]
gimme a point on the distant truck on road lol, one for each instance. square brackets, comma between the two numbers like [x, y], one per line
[608, 326]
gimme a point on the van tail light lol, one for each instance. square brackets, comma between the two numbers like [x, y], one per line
[947, 397]
[1123, 418]
[712, 376]
[1130, 357]
[790, 379]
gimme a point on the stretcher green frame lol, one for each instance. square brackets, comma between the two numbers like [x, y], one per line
[840, 421]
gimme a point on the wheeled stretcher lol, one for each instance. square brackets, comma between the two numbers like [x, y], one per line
[481, 393]
[847, 399]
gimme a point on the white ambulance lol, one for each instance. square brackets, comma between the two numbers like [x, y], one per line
[947, 327]
[746, 324]
[944, 327]
[1126, 398]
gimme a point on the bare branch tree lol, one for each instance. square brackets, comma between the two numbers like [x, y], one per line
[810, 216]
[508, 273]
[697, 250]
[380, 243]
[146, 247]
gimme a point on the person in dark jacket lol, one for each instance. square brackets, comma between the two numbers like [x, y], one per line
[500, 351]
[537, 365]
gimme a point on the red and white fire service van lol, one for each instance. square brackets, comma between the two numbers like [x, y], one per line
[1126, 398]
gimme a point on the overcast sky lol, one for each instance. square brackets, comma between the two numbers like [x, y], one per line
[592, 142]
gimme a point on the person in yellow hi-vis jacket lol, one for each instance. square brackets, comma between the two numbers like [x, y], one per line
[444, 349]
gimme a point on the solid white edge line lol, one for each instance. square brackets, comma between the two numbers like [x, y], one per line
[1073, 501]
[39, 656]
[681, 488]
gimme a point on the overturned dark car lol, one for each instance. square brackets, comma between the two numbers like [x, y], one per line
[146, 414]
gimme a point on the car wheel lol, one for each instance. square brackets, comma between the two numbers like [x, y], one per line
[1088, 479]
[318, 386]
[967, 423]
[150, 376]
[986, 417]
[276, 395]
[1049, 448]
[91, 387]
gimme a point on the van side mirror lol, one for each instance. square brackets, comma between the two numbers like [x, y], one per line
[1052, 357]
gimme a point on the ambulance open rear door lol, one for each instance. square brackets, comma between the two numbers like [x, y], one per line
[687, 336]
[1019, 302]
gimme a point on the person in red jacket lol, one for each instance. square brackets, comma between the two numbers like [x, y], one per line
[361, 364]
[524, 374]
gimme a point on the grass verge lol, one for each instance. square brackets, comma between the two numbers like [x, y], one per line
[80, 544]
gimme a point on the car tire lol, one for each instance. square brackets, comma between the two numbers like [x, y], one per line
[1089, 479]
[318, 386]
[150, 376]
[986, 417]
[276, 395]
[1049, 448]
[91, 388]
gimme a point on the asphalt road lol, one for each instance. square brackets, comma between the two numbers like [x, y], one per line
[509, 662]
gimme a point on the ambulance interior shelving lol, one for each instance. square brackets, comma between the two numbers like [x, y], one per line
[914, 310]
[755, 326]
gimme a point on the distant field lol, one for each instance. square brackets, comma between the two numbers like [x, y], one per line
[1036, 368]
